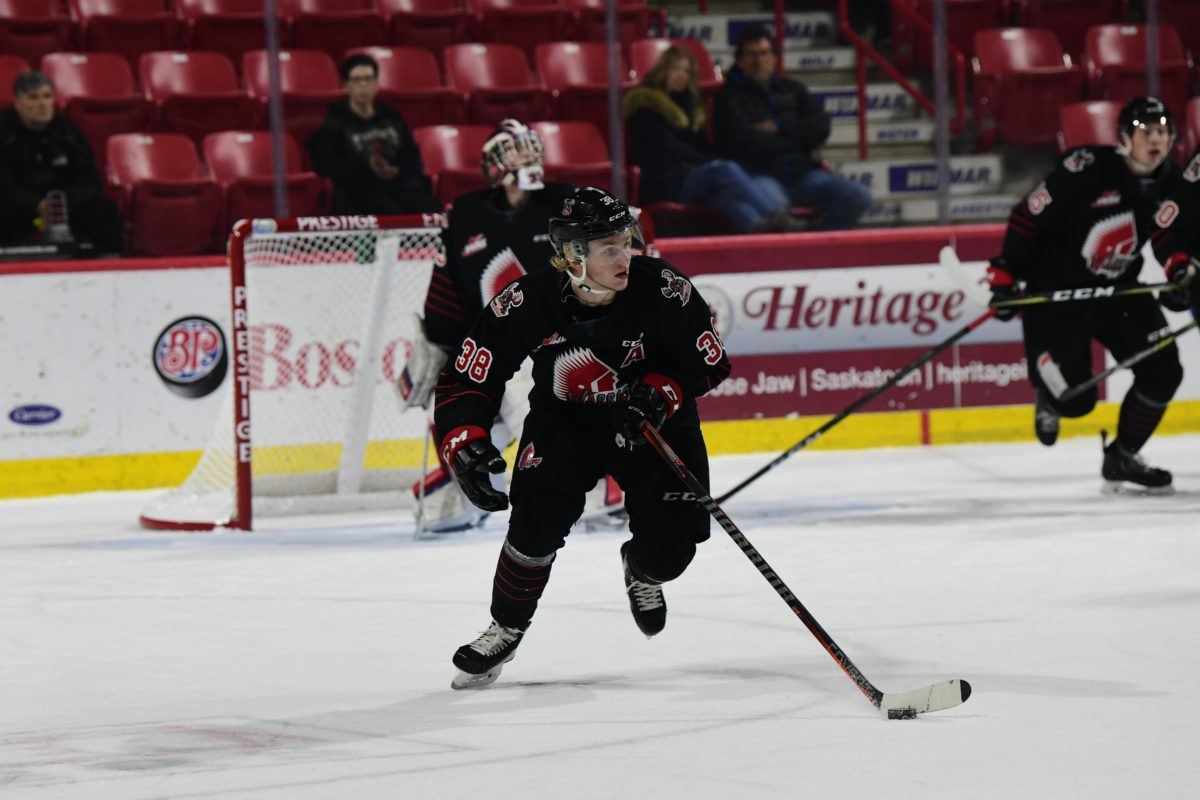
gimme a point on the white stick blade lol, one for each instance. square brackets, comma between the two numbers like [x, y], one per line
[976, 291]
[937, 697]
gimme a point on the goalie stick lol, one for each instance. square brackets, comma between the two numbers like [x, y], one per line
[1137, 357]
[862, 401]
[979, 294]
[897, 705]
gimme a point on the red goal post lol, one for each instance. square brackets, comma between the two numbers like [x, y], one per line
[322, 316]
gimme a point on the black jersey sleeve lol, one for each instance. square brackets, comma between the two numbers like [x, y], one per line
[1043, 210]
[693, 354]
[1175, 230]
[447, 312]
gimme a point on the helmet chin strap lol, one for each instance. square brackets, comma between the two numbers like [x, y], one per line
[580, 282]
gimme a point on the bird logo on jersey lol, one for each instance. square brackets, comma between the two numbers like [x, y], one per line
[1192, 173]
[528, 459]
[507, 300]
[1111, 245]
[580, 377]
[1078, 161]
[503, 269]
[677, 286]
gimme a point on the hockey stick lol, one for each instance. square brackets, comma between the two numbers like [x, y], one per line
[980, 295]
[1137, 357]
[901, 705]
[919, 362]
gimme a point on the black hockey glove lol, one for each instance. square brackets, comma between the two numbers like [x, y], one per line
[653, 398]
[1181, 271]
[1003, 288]
[473, 459]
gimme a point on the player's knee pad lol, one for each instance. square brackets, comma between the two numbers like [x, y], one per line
[1157, 379]
[664, 558]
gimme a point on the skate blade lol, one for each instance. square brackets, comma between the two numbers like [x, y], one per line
[1112, 488]
[466, 680]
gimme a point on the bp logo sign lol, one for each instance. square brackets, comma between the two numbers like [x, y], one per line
[190, 356]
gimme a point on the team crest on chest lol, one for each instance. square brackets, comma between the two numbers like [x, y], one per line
[507, 300]
[503, 269]
[1111, 245]
[677, 286]
[580, 377]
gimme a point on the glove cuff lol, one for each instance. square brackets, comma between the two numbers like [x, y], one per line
[998, 276]
[458, 438]
[668, 389]
[1175, 262]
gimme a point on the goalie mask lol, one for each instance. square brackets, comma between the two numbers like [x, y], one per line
[1151, 115]
[587, 215]
[512, 155]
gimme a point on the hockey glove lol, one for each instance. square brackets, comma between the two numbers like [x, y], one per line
[473, 460]
[1181, 271]
[1003, 288]
[652, 399]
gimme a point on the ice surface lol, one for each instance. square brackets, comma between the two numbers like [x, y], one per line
[316, 664]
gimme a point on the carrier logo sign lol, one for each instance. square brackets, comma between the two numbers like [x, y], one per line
[34, 414]
[190, 356]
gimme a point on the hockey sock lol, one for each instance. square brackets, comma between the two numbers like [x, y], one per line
[518, 585]
[1137, 421]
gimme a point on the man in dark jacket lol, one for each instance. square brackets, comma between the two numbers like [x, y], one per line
[771, 125]
[46, 163]
[368, 151]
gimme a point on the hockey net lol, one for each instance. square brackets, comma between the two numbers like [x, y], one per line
[322, 320]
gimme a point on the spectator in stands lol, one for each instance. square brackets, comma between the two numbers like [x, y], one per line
[667, 125]
[368, 151]
[46, 163]
[772, 125]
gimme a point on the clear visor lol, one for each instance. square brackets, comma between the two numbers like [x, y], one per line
[608, 249]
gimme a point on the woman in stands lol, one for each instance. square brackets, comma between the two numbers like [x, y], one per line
[668, 133]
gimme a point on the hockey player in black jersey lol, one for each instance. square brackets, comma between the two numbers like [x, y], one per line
[1176, 238]
[1084, 226]
[616, 339]
[494, 236]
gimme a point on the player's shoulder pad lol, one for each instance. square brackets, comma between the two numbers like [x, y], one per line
[667, 282]
[1191, 173]
[1081, 158]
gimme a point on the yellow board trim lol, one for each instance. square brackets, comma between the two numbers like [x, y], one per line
[49, 476]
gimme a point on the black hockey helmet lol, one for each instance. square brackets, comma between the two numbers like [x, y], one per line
[513, 154]
[1142, 111]
[590, 214]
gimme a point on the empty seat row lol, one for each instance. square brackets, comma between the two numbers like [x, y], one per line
[1022, 73]
[195, 93]
[32, 28]
[174, 202]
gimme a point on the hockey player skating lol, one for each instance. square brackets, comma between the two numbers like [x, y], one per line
[1084, 226]
[494, 236]
[1176, 237]
[615, 339]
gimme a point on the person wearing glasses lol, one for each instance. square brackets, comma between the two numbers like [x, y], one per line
[773, 126]
[368, 152]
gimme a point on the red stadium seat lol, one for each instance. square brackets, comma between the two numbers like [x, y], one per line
[333, 25]
[432, 24]
[411, 83]
[10, 68]
[32, 28]
[1020, 73]
[634, 20]
[193, 93]
[232, 27]
[645, 52]
[1090, 123]
[451, 154]
[308, 81]
[1189, 129]
[496, 83]
[1068, 19]
[1115, 60]
[128, 27]
[240, 162]
[914, 44]
[170, 205]
[577, 153]
[577, 73]
[97, 91]
[525, 23]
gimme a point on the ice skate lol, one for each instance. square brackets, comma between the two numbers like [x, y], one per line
[1121, 466]
[480, 662]
[646, 600]
[1045, 420]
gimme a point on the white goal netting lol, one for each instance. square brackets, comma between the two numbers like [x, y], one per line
[328, 325]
